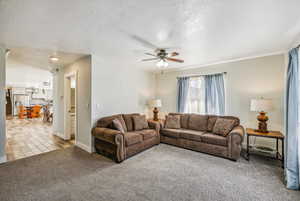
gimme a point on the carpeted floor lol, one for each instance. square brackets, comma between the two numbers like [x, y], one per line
[161, 173]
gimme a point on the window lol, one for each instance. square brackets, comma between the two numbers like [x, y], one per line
[196, 96]
[203, 94]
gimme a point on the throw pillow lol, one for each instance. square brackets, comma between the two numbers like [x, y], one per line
[118, 125]
[211, 122]
[140, 122]
[198, 122]
[172, 121]
[184, 119]
[223, 126]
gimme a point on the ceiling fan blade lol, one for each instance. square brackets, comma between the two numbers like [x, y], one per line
[151, 59]
[151, 54]
[173, 54]
[143, 41]
[176, 60]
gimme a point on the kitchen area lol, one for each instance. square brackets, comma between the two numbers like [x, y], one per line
[29, 116]
[18, 98]
[30, 106]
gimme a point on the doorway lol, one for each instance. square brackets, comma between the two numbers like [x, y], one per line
[70, 113]
[28, 102]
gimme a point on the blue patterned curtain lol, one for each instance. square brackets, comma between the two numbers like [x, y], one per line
[182, 93]
[214, 94]
[292, 122]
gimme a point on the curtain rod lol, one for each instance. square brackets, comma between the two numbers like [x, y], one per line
[198, 75]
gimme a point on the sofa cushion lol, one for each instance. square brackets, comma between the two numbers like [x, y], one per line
[198, 122]
[170, 132]
[128, 121]
[223, 126]
[211, 138]
[140, 122]
[191, 134]
[106, 122]
[147, 133]
[184, 119]
[132, 138]
[172, 121]
[118, 125]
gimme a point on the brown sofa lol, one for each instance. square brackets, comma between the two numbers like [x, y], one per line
[119, 146]
[196, 133]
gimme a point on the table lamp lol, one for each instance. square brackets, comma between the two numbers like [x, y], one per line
[155, 103]
[262, 106]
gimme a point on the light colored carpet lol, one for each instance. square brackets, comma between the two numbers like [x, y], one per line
[161, 173]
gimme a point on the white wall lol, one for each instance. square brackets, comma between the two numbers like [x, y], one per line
[23, 75]
[83, 69]
[2, 105]
[83, 109]
[247, 79]
[58, 102]
[104, 88]
[119, 88]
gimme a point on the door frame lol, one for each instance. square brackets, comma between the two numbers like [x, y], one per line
[3, 60]
[67, 102]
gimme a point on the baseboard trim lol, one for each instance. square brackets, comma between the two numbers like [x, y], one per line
[61, 135]
[3, 159]
[84, 147]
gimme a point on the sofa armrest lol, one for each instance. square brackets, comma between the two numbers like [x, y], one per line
[106, 134]
[154, 125]
[239, 131]
[114, 137]
[235, 140]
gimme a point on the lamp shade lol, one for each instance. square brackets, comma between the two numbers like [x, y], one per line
[155, 103]
[261, 105]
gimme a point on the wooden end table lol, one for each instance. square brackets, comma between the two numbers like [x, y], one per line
[271, 134]
[160, 121]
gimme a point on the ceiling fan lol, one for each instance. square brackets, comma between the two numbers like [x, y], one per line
[162, 56]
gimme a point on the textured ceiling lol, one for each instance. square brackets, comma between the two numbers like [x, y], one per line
[203, 31]
[40, 58]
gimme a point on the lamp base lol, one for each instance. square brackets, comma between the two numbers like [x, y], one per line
[155, 114]
[262, 123]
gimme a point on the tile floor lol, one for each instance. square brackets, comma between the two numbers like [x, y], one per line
[27, 137]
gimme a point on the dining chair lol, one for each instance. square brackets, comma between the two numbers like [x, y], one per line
[22, 112]
[36, 111]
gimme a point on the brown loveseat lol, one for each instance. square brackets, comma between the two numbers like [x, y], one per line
[121, 145]
[196, 133]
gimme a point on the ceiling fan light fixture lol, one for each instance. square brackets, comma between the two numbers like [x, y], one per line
[162, 64]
